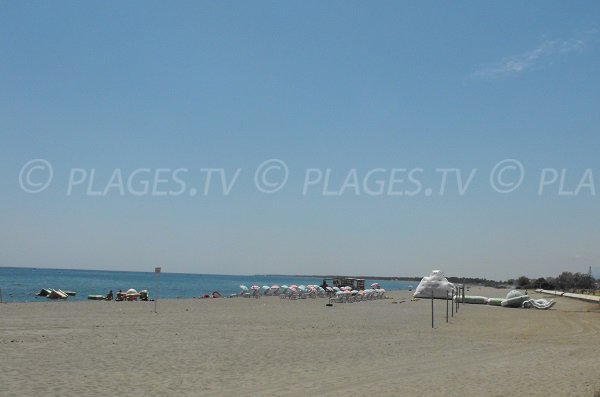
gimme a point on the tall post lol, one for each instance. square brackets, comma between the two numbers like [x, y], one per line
[452, 303]
[157, 272]
[463, 297]
[0, 295]
[431, 308]
[446, 305]
[457, 300]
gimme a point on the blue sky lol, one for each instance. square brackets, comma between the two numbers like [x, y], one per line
[334, 85]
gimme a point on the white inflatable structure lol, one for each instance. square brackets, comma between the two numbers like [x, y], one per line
[437, 284]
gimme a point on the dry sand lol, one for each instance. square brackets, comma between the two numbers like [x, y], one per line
[276, 347]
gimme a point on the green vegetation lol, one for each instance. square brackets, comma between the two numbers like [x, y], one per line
[566, 281]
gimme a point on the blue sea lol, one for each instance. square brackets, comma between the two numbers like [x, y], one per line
[19, 284]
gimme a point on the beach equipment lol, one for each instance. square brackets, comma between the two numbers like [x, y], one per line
[293, 292]
[254, 292]
[244, 291]
[514, 299]
[96, 297]
[57, 294]
[44, 292]
[375, 285]
[340, 297]
[495, 301]
[541, 304]
[132, 294]
[478, 300]
[435, 284]
[284, 291]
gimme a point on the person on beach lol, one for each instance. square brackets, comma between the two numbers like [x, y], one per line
[120, 295]
[109, 296]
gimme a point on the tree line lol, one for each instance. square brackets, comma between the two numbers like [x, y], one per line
[566, 281]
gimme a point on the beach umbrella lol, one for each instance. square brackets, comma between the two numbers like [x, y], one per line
[302, 287]
[255, 287]
[375, 285]
[131, 291]
[243, 288]
[274, 286]
[265, 287]
[293, 286]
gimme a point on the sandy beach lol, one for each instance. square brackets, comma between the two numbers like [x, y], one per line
[276, 347]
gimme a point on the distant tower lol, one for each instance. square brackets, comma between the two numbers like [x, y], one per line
[590, 272]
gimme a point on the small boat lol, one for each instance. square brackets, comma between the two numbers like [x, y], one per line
[96, 297]
[43, 292]
[70, 293]
[57, 294]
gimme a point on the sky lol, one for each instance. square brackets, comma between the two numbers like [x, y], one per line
[301, 137]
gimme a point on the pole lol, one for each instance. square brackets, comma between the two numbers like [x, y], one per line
[457, 300]
[446, 305]
[0, 295]
[157, 272]
[431, 308]
[452, 304]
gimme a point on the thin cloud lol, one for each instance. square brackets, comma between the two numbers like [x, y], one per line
[540, 56]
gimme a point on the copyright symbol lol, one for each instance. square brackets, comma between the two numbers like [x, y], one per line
[271, 176]
[35, 176]
[507, 176]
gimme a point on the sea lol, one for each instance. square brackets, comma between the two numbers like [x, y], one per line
[20, 284]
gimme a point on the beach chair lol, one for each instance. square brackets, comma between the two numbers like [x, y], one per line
[340, 297]
[311, 292]
[293, 294]
[266, 290]
[243, 291]
[321, 293]
[284, 292]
